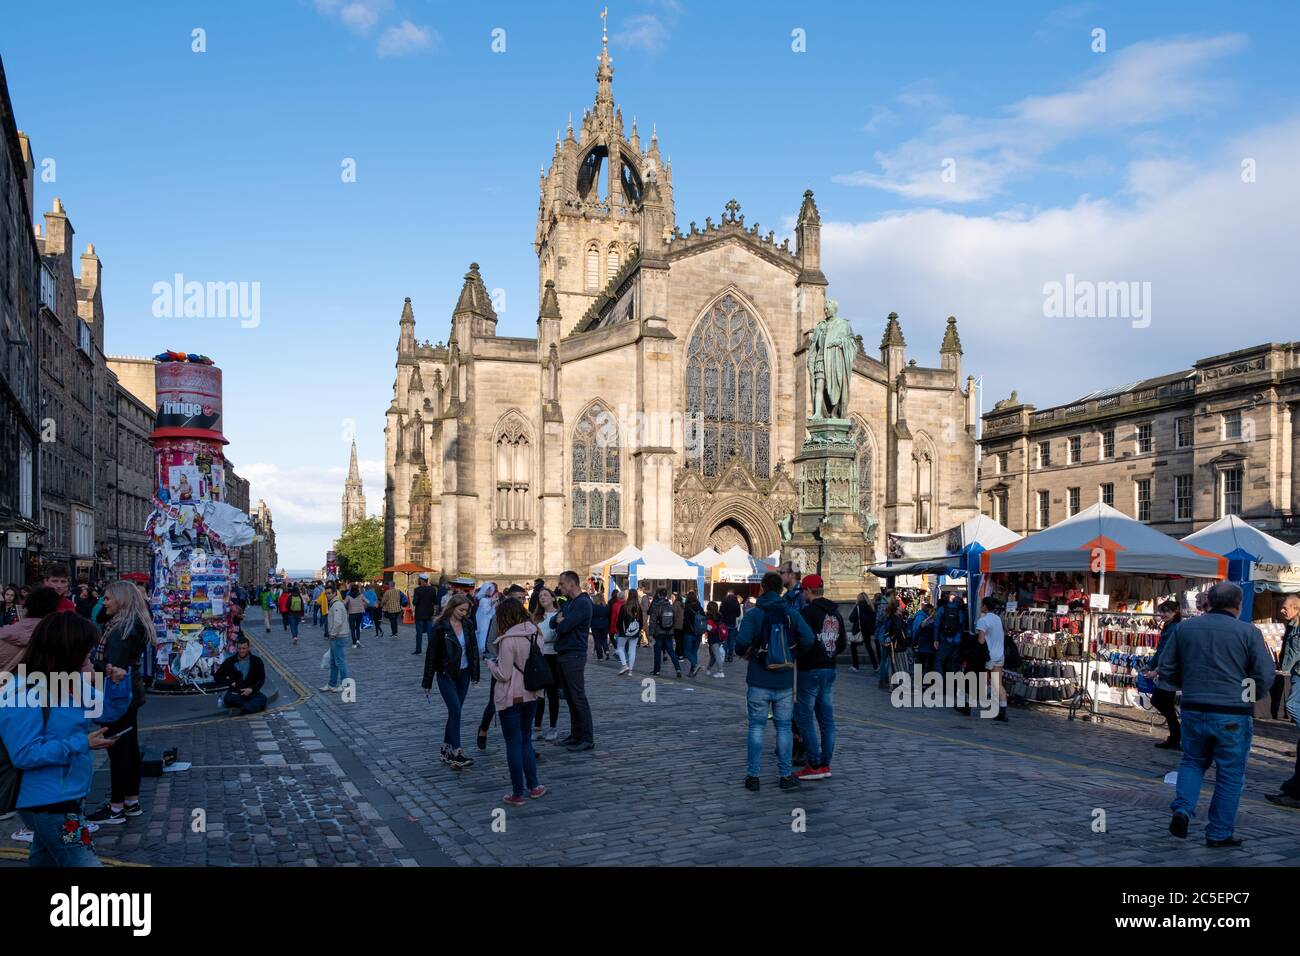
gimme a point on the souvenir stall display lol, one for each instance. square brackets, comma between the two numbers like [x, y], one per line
[1092, 582]
[195, 536]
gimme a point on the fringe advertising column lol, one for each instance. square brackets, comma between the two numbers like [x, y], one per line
[194, 534]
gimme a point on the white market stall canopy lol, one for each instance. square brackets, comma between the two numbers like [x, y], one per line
[659, 563]
[706, 558]
[738, 566]
[913, 554]
[1125, 545]
[1273, 563]
[616, 564]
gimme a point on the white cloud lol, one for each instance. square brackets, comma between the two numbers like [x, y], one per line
[922, 95]
[1142, 84]
[406, 37]
[878, 118]
[1216, 251]
[359, 16]
[306, 505]
[645, 31]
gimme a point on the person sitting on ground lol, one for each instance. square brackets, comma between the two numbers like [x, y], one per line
[244, 673]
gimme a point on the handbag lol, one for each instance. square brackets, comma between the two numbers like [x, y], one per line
[117, 699]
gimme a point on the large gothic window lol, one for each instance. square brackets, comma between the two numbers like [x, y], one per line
[612, 263]
[593, 267]
[728, 391]
[595, 470]
[861, 439]
[511, 506]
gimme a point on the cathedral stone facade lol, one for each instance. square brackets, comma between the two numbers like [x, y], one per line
[664, 395]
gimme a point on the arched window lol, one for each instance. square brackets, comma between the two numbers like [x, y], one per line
[595, 470]
[861, 438]
[925, 486]
[728, 391]
[593, 267]
[512, 507]
[612, 263]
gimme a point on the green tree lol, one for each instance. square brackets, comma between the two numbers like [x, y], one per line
[360, 550]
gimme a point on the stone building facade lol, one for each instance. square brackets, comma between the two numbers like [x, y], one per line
[131, 480]
[21, 533]
[664, 395]
[1179, 450]
[264, 558]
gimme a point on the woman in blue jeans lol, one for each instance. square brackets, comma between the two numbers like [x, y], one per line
[51, 746]
[516, 636]
[453, 660]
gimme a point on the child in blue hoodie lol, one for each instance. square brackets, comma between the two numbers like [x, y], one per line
[47, 740]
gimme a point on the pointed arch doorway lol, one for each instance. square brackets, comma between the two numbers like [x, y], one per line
[736, 520]
[729, 534]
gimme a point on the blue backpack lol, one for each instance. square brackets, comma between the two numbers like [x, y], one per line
[701, 624]
[772, 645]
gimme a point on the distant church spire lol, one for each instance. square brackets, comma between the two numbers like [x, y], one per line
[354, 497]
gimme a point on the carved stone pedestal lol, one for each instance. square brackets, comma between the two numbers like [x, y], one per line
[827, 538]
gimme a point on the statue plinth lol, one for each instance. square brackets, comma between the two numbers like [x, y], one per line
[827, 536]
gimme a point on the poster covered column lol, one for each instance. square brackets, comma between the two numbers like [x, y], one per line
[194, 534]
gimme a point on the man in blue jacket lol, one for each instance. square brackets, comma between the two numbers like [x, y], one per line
[1222, 664]
[770, 688]
[572, 624]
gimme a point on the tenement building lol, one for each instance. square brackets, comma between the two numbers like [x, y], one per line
[1178, 451]
[663, 397]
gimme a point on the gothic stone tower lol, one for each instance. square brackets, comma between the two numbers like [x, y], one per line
[354, 498]
[588, 214]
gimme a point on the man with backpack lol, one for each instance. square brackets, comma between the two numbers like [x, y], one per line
[816, 671]
[949, 628]
[769, 637]
[662, 620]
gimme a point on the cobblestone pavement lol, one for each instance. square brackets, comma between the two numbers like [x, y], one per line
[323, 782]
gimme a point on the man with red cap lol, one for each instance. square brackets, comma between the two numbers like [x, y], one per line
[813, 708]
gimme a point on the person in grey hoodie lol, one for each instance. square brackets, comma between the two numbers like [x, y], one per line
[1222, 664]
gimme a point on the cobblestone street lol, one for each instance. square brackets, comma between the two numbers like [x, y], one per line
[319, 782]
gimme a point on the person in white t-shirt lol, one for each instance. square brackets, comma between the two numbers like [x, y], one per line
[989, 629]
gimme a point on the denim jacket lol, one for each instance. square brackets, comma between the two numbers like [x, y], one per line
[1290, 661]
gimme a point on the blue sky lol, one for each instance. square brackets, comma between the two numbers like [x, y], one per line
[225, 165]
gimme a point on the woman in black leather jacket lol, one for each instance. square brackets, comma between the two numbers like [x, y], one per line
[452, 660]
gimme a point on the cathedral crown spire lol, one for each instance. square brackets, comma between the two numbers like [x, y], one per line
[604, 71]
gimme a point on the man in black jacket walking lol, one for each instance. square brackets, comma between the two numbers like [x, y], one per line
[244, 674]
[816, 680]
[424, 603]
[572, 624]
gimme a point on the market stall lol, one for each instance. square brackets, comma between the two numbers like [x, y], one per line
[1083, 593]
[660, 563]
[953, 554]
[615, 566]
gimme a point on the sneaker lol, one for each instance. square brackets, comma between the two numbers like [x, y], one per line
[133, 809]
[826, 771]
[624, 671]
[108, 816]
[1283, 800]
[752, 783]
[8, 816]
[1226, 842]
[551, 735]
[679, 675]
[1178, 825]
[417, 652]
[854, 669]
[1170, 745]
[22, 835]
[809, 773]
[719, 674]
[514, 801]
[462, 758]
[444, 754]
[329, 689]
[458, 762]
[537, 792]
[789, 783]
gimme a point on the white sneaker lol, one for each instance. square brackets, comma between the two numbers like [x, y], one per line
[327, 689]
[22, 835]
[552, 735]
[854, 669]
[719, 674]
[623, 671]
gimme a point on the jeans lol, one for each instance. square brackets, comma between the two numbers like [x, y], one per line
[781, 702]
[294, 620]
[947, 659]
[1221, 739]
[520, 756]
[573, 674]
[354, 622]
[252, 704]
[627, 651]
[666, 642]
[315, 614]
[124, 760]
[601, 644]
[816, 699]
[693, 650]
[453, 690]
[393, 618]
[730, 643]
[338, 663]
[422, 627]
[886, 668]
[53, 844]
[1292, 787]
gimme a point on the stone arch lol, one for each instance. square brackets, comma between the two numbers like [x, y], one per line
[757, 525]
[730, 378]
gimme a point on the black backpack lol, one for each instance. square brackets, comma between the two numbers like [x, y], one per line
[950, 621]
[666, 617]
[11, 778]
[537, 673]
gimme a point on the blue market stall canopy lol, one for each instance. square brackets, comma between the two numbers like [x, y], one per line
[1254, 556]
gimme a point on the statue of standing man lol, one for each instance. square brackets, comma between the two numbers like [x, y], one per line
[830, 364]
